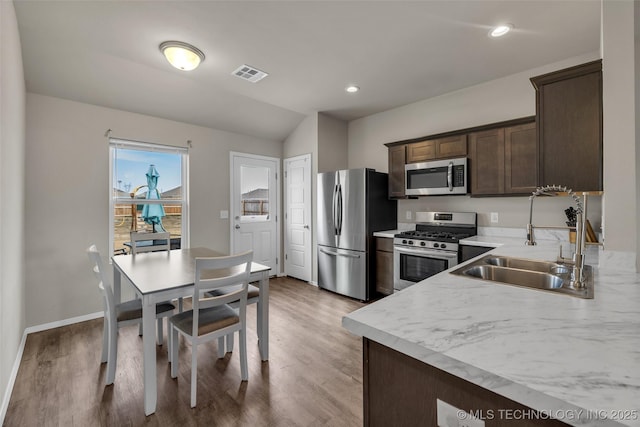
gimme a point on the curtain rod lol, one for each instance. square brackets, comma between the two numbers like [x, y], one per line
[107, 134]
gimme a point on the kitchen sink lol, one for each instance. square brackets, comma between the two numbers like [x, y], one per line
[541, 275]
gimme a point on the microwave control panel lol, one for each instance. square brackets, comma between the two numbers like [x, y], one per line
[458, 176]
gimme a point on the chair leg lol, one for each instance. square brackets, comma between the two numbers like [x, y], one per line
[160, 332]
[174, 351]
[105, 340]
[220, 347]
[230, 343]
[194, 372]
[112, 360]
[244, 372]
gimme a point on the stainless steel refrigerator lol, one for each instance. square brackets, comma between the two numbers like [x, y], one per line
[352, 204]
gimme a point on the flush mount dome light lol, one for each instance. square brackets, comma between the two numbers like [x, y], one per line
[182, 55]
[352, 88]
[501, 30]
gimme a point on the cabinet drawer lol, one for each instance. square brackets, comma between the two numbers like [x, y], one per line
[453, 146]
[421, 151]
[384, 244]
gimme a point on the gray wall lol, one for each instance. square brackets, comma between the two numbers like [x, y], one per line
[67, 194]
[12, 140]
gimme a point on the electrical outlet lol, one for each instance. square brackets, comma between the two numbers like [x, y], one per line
[494, 216]
[408, 214]
[450, 416]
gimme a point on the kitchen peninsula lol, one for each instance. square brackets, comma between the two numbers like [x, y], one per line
[574, 361]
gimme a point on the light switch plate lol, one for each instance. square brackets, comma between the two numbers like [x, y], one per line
[408, 214]
[494, 216]
[450, 416]
[224, 214]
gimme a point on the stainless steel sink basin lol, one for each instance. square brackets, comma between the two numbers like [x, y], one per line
[512, 276]
[541, 275]
[529, 264]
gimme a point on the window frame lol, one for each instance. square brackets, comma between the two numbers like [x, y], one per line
[119, 143]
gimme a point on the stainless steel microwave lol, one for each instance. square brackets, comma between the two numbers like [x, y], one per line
[436, 177]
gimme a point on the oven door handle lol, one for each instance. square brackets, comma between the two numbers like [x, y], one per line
[426, 252]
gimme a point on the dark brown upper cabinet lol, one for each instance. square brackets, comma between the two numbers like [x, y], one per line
[503, 160]
[441, 148]
[569, 120]
[397, 160]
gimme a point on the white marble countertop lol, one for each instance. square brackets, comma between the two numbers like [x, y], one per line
[575, 359]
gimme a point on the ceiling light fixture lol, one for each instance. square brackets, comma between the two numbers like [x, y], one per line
[501, 30]
[182, 55]
[352, 88]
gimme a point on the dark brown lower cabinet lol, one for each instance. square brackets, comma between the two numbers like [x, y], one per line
[384, 265]
[402, 391]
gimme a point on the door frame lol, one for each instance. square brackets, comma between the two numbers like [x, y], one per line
[310, 211]
[232, 156]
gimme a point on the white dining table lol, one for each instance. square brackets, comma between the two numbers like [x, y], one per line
[165, 275]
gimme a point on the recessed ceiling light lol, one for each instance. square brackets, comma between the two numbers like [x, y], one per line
[501, 30]
[182, 55]
[352, 88]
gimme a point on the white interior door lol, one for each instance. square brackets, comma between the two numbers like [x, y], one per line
[254, 207]
[297, 217]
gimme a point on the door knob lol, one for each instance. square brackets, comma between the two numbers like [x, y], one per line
[306, 226]
[237, 226]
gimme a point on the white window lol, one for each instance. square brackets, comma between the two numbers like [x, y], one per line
[148, 186]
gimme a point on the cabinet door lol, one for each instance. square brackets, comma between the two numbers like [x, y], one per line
[486, 153]
[569, 116]
[421, 151]
[520, 159]
[384, 272]
[397, 157]
[453, 146]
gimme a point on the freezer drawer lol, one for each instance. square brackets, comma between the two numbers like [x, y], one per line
[343, 271]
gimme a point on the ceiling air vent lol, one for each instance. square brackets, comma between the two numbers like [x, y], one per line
[247, 72]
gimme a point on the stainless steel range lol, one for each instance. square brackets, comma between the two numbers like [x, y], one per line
[432, 247]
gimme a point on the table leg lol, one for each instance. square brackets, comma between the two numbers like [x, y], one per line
[117, 280]
[263, 312]
[149, 352]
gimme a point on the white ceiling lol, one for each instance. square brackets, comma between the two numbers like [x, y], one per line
[106, 53]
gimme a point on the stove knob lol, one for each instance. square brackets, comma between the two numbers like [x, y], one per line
[436, 245]
[443, 246]
[411, 242]
[404, 242]
[423, 244]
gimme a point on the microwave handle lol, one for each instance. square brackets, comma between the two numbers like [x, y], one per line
[450, 176]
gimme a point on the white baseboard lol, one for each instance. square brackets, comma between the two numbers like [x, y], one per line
[12, 379]
[64, 322]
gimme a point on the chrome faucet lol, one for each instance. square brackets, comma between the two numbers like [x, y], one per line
[581, 216]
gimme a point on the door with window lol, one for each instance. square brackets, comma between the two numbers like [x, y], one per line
[254, 207]
[297, 217]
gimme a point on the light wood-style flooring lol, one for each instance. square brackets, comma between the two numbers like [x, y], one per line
[313, 376]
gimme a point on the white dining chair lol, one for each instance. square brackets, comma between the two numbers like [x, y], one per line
[160, 242]
[211, 318]
[117, 315]
[253, 297]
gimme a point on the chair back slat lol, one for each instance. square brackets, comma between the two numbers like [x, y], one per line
[104, 284]
[221, 272]
[161, 242]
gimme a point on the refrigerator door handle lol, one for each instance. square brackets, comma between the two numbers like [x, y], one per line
[334, 215]
[324, 251]
[339, 209]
